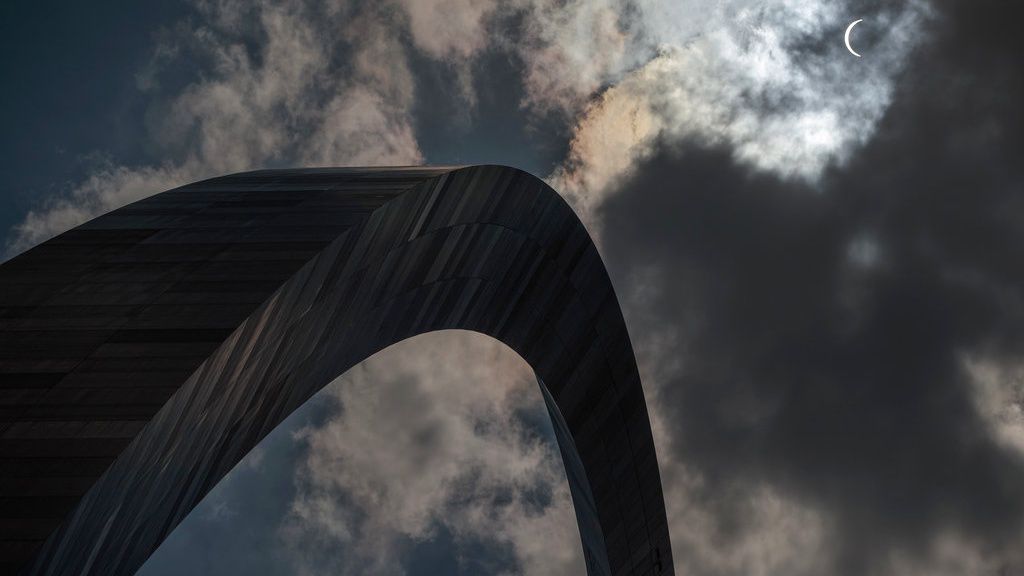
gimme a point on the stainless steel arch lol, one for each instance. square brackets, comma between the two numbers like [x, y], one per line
[145, 352]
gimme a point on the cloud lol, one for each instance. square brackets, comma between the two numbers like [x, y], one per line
[841, 354]
[999, 396]
[819, 258]
[425, 441]
[285, 82]
[450, 29]
[769, 81]
[326, 82]
[109, 187]
[786, 374]
[570, 50]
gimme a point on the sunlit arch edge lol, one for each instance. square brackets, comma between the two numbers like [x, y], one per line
[401, 252]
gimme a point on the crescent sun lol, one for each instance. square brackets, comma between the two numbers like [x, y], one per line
[846, 38]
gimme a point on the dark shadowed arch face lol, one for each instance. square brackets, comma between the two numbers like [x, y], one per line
[159, 343]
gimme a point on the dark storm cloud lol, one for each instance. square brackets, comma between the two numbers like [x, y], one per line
[824, 330]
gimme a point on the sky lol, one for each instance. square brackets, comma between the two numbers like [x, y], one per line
[818, 258]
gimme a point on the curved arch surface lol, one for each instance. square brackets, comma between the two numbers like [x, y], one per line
[145, 352]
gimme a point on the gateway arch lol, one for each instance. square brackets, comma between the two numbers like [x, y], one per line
[144, 353]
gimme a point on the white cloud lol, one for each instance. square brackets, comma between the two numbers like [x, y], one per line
[573, 49]
[107, 188]
[998, 393]
[772, 82]
[318, 82]
[272, 94]
[450, 29]
[428, 436]
[432, 441]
